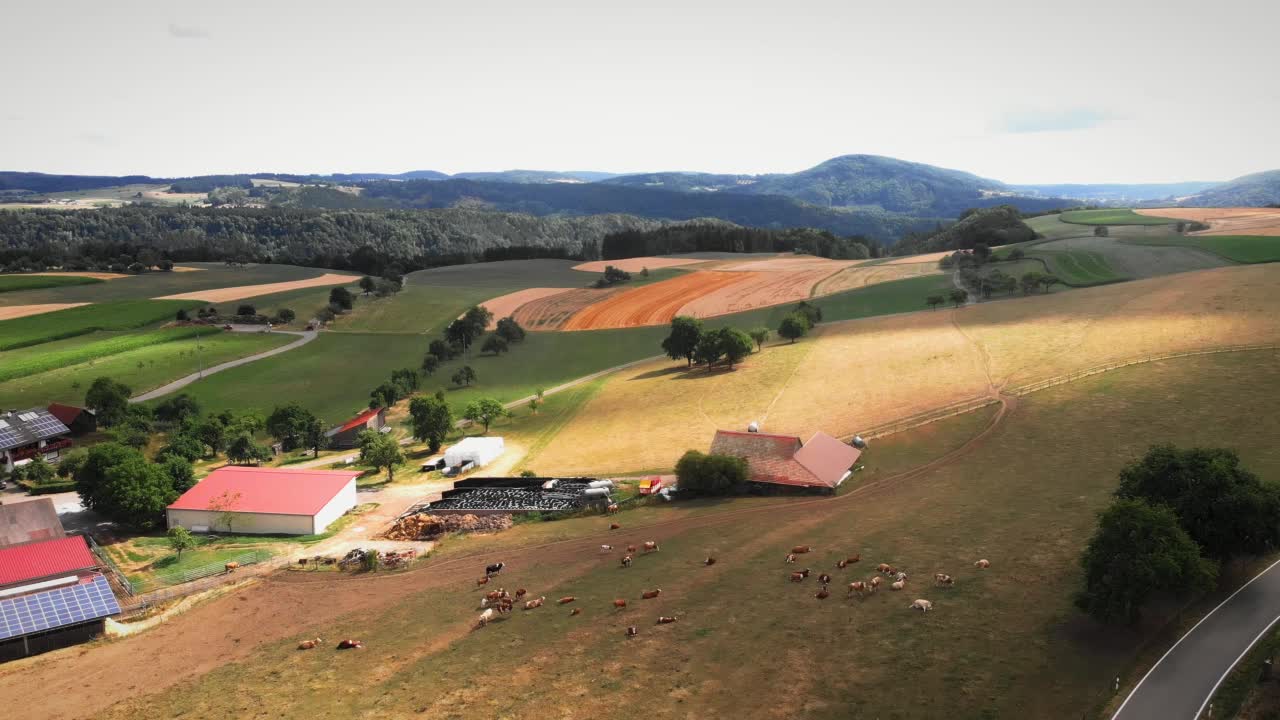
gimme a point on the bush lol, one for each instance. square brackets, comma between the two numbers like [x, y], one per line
[246, 309]
[711, 474]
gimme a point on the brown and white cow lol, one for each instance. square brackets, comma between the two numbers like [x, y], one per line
[650, 594]
[651, 546]
[532, 604]
[626, 561]
[310, 644]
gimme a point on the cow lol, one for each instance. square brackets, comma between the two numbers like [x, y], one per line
[351, 645]
[626, 561]
[650, 594]
[575, 611]
[922, 605]
[631, 549]
[484, 618]
[842, 564]
[482, 581]
[494, 569]
[663, 619]
[874, 582]
[853, 559]
[231, 566]
[606, 548]
[823, 594]
[620, 604]
[898, 585]
[805, 572]
[801, 549]
[310, 644]
[984, 563]
[612, 508]
[530, 605]
[825, 579]
[632, 632]
[797, 577]
[859, 588]
[791, 557]
[883, 568]
[615, 526]
[520, 592]
[709, 561]
[566, 600]
[651, 546]
[901, 576]
[494, 594]
[943, 579]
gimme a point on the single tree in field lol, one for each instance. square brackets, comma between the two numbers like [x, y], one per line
[933, 301]
[223, 506]
[811, 312]
[1101, 231]
[367, 284]
[313, 436]
[182, 315]
[464, 377]
[109, 400]
[485, 411]
[1138, 550]
[380, 450]
[246, 310]
[342, 298]
[534, 404]
[180, 539]
[644, 272]
[494, 344]
[760, 336]
[285, 315]
[431, 420]
[793, 327]
[958, 297]
[430, 363]
[508, 329]
[405, 381]
[683, 340]
[1048, 281]
[735, 345]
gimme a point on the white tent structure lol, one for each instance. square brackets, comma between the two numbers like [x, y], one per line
[478, 450]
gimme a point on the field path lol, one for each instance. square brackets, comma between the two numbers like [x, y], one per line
[1182, 682]
[304, 337]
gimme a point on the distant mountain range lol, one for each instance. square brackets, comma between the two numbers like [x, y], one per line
[1254, 190]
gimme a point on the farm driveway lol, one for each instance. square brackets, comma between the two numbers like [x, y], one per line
[304, 337]
[1182, 682]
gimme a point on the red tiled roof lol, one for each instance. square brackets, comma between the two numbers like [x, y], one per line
[66, 414]
[361, 419]
[770, 458]
[47, 558]
[827, 458]
[279, 491]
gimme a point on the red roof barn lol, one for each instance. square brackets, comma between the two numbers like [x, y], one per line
[35, 561]
[824, 462]
[347, 435]
[284, 501]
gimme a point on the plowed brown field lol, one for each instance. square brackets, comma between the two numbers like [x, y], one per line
[551, 313]
[788, 263]
[855, 277]
[760, 290]
[652, 304]
[636, 264]
[1225, 221]
[507, 305]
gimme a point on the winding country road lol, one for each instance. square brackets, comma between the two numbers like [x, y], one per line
[304, 337]
[1183, 681]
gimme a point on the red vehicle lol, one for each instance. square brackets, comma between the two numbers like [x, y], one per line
[226, 327]
[651, 485]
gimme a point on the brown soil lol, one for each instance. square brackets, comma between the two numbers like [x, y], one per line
[931, 258]
[240, 292]
[652, 304]
[635, 264]
[857, 276]
[552, 312]
[17, 311]
[1225, 221]
[78, 273]
[507, 305]
[760, 290]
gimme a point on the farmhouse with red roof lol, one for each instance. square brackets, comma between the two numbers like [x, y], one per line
[347, 435]
[823, 463]
[274, 501]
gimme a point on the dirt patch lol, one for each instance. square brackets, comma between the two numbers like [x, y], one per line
[240, 292]
[855, 277]
[636, 264]
[759, 290]
[186, 268]
[652, 304]
[551, 313]
[506, 305]
[17, 311]
[1225, 221]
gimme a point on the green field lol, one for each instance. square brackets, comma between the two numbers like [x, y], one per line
[141, 369]
[41, 358]
[12, 283]
[1238, 248]
[120, 315]
[1080, 268]
[1117, 216]
[745, 634]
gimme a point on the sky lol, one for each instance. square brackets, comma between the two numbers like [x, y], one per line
[1117, 91]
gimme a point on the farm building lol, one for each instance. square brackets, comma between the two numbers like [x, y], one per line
[478, 450]
[259, 501]
[29, 521]
[347, 435]
[51, 596]
[504, 495]
[29, 434]
[822, 463]
[77, 419]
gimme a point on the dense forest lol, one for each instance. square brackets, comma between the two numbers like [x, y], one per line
[362, 241]
[992, 226]
[722, 237]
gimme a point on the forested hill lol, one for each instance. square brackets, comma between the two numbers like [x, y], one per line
[991, 226]
[336, 239]
[766, 211]
[1255, 190]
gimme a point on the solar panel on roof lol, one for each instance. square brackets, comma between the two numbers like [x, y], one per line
[28, 416]
[56, 608]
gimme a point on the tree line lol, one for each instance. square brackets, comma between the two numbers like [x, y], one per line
[723, 237]
[690, 341]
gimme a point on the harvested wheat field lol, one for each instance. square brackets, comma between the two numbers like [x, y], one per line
[652, 304]
[931, 258]
[240, 292]
[553, 311]
[853, 375]
[789, 263]
[636, 264]
[506, 305]
[1225, 221]
[17, 311]
[759, 290]
[81, 273]
[852, 278]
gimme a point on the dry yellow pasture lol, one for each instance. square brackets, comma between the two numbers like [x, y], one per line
[1225, 221]
[852, 375]
[240, 292]
[17, 311]
[855, 277]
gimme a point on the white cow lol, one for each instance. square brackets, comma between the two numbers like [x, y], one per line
[485, 617]
[922, 605]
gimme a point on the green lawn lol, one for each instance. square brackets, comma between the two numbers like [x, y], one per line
[1239, 248]
[40, 358]
[1112, 216]
[141, 369]
[119, 315]
[1079, 268]
[11, 283]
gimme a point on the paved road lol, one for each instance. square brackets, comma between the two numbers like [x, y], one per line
[1181, 683]
[304, 337]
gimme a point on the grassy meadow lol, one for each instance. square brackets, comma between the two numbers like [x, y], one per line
[750, 644]
[1237, 248]
[43, 358]
[61, 324]
[14, 283]
[1112, 216]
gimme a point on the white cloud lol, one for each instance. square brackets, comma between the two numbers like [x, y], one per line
[187, 32]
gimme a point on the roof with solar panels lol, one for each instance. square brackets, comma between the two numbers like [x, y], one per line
[49, 584]
[19, 428]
